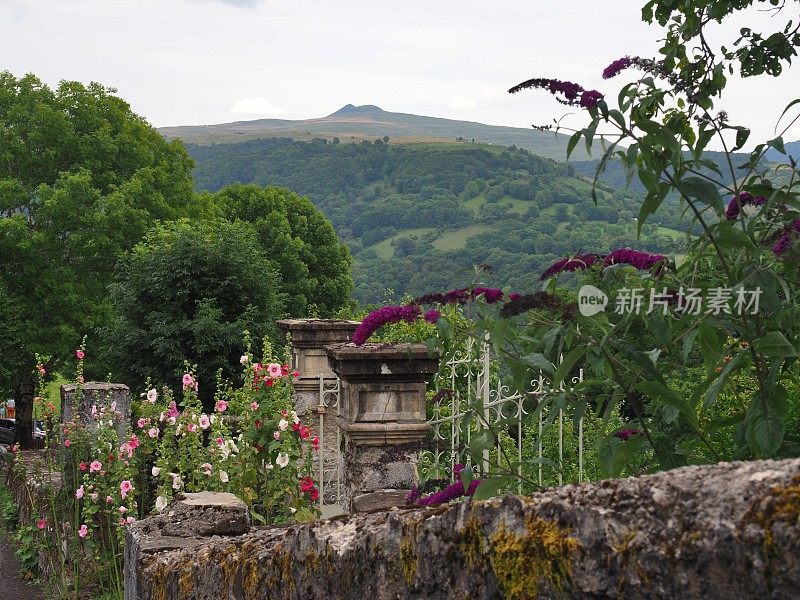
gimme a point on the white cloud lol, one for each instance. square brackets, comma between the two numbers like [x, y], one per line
[256, 107]
[462, 103]
[241, 3]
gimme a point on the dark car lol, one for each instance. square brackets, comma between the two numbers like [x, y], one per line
[8, 431]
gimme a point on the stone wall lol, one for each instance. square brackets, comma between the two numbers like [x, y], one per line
[724, 531]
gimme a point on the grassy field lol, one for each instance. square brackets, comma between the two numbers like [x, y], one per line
[453, 240]
[385, 249]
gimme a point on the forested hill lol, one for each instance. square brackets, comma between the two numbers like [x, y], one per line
[358, 123]
[418, 217]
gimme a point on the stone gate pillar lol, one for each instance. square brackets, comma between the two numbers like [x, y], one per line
[382, 408]
[103, 396]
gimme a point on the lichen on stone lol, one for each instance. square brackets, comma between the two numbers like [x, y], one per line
[541, 554]
[781, 503]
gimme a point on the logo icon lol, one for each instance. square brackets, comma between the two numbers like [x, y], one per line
[591, 300]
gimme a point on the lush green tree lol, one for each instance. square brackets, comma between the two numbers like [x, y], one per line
[314, 265]
[186, 293]
[81, 179]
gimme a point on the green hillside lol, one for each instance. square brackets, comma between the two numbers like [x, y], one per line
[418, 217]
[359, 123]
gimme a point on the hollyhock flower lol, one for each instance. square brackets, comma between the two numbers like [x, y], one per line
[134, 442]
[41, 369]
[221, 406]
[220, 442]
[153, 432]
[177, 482]
[305, 433]
[41, 523]
[156, 471]
[254, 406]
[109, 500]
[640, 260]
[243, 359]
[83, 531]
[172, 420]
[79, 353]
[378, 318]
[79, 493]
[282, 460]
[565, 92]
[741, 200]
[207, 468]
[141, 422]
[93, 496]
[223, 477]
[152, 395]
[295, 418]
[161, 503]
[129, 520]
[95, 466]
[172, 410]
[274, 370]
[122, 510]
[296, 427]
[269, 382]
[315, 443]
[125, 487]
[283, 424]
[67, 442]
[276, 435]
[204, 422]
[306, 483]
[295, 374]
[191, 427]
[314, 493]
[83, 466]
[574, 263]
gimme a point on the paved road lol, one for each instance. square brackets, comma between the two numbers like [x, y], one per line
[12, 585]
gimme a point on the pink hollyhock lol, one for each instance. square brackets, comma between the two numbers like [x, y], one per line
[79, 353]
[254, 406]
[315, 443]
[243, 359]
[295, 374]
[153, 432]
[109, 499]
[83, 531]
[83, 466]
[172, 411]
[206, 468]
[205, 422]
[125, 488]
[305, 432]
[141, 422]
[152, 395]
[191, 427]
[274, 370]
[220, 441]
[95, 466]
[221, 406]
[79, 493]
[188, 381]
[67, 442]
[276, 435]
[41, 523]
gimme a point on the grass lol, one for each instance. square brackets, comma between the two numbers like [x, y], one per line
[453, 240]
[673, 233]
[52, 393]
[385, 250]
[517, 206]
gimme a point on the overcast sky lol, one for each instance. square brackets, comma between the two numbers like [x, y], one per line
[181, 62]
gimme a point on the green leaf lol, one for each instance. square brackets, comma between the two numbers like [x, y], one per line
[738, 361]
[775, 344]
[704, 191]
[489, 487]
[573, 141]
[768, 432]
[537, 360]
[657, 391]
[566, 365]
[728, 237]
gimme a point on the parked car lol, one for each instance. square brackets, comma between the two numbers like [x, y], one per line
[8, 431]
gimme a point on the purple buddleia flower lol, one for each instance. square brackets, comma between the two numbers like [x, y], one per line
[451, 492]
[619, 65]
[432, 316]
[565, 92]
[378, 318]
[490, 295]
[785, 239]
[641, 260]
[741, 200]
[521, 303]
[574, 263]
[626, 434]
[413, 495]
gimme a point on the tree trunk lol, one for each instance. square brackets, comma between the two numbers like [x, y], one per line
[23, 397]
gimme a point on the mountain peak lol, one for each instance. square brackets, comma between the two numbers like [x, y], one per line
[350, 110]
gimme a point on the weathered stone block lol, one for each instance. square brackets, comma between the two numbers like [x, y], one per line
[100, 394]
[711, 532]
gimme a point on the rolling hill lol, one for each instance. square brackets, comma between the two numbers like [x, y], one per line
[418, 217]
[357, 123]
